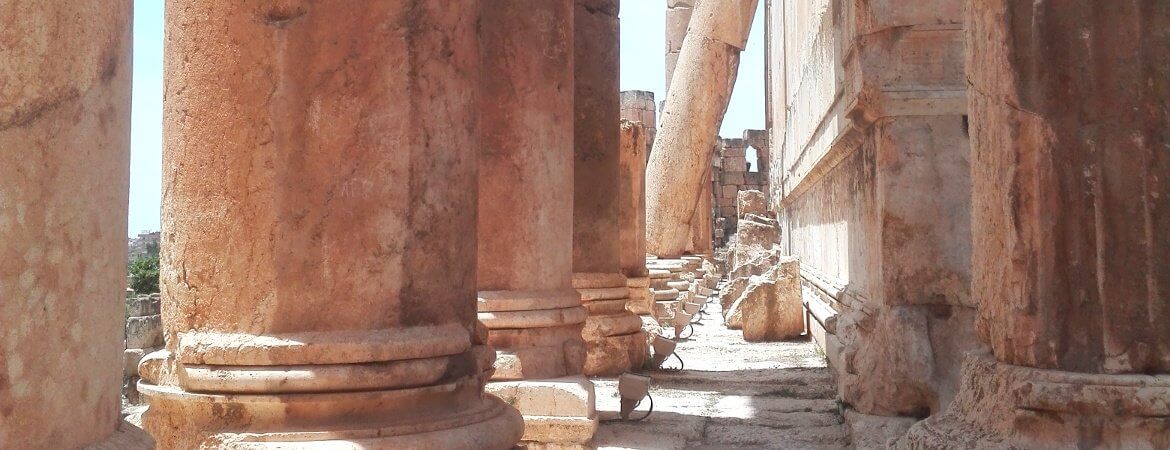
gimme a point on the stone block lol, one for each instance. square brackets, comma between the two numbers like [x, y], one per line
[144, 332]
[130, 359]
[142, 305]
[556, 411]
[752, 202]
[755, 178]
[729, 192]
[734, 177]
[772, 310]
[754, 238]
[734, 153]
[735, 164]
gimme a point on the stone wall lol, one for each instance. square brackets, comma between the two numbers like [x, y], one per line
[143, 334]
[639, 106]
[871, 179]
[731, 173]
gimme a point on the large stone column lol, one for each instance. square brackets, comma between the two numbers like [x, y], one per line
[64, 179]
[694, 109]
[1069, 106]
[613, 335]
[319, 185]
[678, 17]
[526, 295]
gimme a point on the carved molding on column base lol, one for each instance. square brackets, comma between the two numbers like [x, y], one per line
[1002, 405]
[614, 341]
[449, 415]
[641, 297]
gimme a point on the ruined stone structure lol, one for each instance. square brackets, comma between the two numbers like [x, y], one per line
[873, 177]
[867, 115]
[144, 335]
[1070, 217]
[64, 183]
[732, 175]
[613, 335]
[639, 106]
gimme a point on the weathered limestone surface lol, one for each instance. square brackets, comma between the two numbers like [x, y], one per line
[755, 238]
[731, 176]
[525, 245]
[526, 297]
[64, 179]
[751, 202]
[769, 307]
[639, 106]
[1069, 109]
[694, 108]
[632, 215]
[319, 174]
[613, 335]
[870, 169]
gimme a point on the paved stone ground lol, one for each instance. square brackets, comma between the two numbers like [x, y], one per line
[733, 394]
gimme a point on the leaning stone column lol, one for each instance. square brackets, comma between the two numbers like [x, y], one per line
[526, 295]
[64, 179]
[695, 105]
[613, 335]
[319, 185]
[702, 222]
[678, 17]
[1069, 106]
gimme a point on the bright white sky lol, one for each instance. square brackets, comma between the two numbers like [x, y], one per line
[642, 26]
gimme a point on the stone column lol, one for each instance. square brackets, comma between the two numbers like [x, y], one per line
[64, 176]
[319, 186]
[633, 217]
[678, 16]
[703, 221]
[613, 335]
[526, 295]
[694, 109]
[1071, 257]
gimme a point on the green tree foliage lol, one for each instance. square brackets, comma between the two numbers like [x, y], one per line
[145, 272]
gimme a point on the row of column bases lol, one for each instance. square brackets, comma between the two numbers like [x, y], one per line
[341, 184]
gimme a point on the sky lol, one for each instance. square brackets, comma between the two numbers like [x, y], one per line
[643, 24]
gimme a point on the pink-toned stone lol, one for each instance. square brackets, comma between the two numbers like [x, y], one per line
[525, 222]
[64, 171]
[612, 346]
[315, 271]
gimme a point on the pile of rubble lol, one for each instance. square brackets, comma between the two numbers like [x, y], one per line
[762, 296]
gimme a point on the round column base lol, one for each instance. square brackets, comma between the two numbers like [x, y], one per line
[1002, 405]
[415, 418]
[614, 341]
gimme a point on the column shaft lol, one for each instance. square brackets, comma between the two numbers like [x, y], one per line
[633, 216]
[526, 296]
[612, 334]
[64, 174]
[319, 182]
